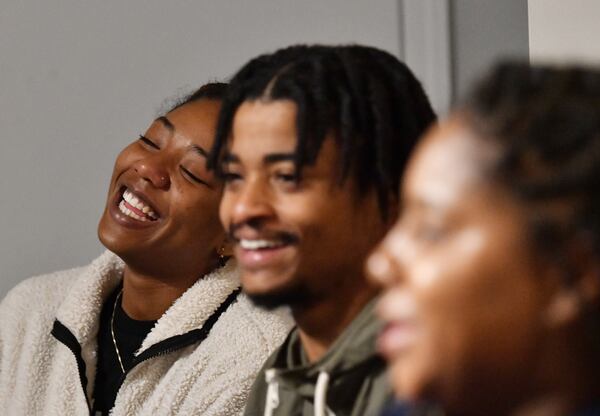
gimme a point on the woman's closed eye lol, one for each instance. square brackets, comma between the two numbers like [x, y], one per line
[148, 142]
[430, 232]
[187, 173]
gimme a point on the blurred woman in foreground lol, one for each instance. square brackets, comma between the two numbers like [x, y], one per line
[492, 273]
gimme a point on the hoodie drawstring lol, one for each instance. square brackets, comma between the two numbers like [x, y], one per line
[272, 400]
[321, 394]
[272, 392]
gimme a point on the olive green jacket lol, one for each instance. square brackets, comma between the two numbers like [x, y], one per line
[349, 380]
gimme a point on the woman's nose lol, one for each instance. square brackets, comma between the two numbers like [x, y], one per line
[155, 171]
[379, 267]
[384, 265]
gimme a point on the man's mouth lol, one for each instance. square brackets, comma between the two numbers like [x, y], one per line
[261, 244]
[257, 242]
[257, 251]
[135, 207]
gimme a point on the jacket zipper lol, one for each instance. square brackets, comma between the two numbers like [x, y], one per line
[65, 336]
[166, 346]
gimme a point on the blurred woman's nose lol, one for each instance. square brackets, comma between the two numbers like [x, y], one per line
[154, 170]
[386, 263]
[380, 267]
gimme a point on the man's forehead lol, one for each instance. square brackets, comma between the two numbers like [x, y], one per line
[267, 148]
[266, 156]
[277, 115]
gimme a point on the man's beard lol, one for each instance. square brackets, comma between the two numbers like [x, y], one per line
[297, 296]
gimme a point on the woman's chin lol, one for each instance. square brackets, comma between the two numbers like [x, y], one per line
[118, 242]
[408, 382]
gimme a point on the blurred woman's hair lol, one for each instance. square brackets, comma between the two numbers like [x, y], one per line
[546, 122]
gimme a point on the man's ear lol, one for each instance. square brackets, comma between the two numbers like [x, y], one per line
[578, 288]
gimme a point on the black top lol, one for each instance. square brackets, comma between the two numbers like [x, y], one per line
[129, 335]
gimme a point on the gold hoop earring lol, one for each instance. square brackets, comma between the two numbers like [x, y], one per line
[222, 257]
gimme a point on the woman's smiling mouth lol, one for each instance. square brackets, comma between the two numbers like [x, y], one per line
[133, 206]
[132, 210]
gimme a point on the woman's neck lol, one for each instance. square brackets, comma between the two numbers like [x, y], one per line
[554, 405]
[567, 385]
[147, 297]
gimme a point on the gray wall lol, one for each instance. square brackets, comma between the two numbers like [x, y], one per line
[560, 34]
[448, 43]
[483, 31]
[79, 79]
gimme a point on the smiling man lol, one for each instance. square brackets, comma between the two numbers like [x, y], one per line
[311, 143]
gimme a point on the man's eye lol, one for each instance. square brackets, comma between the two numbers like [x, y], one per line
[149, 142]
[286, 177]
[229, 177]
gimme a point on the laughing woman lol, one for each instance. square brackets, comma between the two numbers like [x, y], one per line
[492, 273]
[159, 327]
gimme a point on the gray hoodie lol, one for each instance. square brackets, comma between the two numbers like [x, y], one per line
[349, 380]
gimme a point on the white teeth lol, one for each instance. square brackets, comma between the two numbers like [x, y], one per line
[139, 204]
[259, 244]
[130, 213]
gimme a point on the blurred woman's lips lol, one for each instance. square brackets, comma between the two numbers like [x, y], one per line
[397, 337]
[399, 311]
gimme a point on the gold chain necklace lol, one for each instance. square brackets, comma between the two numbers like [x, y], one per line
[112, 330]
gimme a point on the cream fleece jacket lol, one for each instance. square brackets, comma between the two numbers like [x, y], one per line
[39, 375]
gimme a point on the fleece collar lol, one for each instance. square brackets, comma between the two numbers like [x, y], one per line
[80, 310]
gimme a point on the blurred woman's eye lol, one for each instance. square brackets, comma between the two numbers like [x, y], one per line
[429, 232]
[146, 141]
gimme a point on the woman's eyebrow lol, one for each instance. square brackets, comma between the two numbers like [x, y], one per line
[167, 123]
[198, 149]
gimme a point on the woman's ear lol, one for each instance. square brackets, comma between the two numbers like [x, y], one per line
[578, 287]
[226, 248]
[564, 307]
